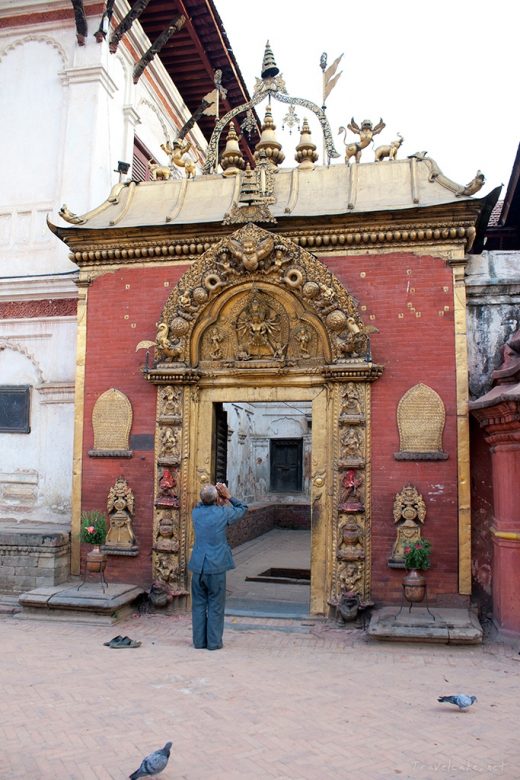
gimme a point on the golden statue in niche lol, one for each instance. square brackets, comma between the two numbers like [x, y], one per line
[409, 512]
[120, 506]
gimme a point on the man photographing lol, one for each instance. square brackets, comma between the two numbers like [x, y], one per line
[210, 560]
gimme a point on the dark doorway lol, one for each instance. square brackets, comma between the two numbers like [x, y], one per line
[286, 465]
[221, 442]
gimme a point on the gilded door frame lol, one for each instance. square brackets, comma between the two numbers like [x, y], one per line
[201, 437]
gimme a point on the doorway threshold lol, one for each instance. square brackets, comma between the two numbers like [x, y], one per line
[236, 607]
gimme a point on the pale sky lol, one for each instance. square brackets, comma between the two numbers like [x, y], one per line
[444, 74]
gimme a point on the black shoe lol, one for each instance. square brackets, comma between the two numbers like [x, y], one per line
[217, 647]
[200, 647]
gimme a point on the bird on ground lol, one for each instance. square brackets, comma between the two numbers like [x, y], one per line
[154, 763]
[460, 700]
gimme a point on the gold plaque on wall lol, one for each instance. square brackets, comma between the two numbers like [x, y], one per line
[111, 421]
[420, 419]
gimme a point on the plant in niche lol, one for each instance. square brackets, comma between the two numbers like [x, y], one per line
[417, 554]
[93, 527]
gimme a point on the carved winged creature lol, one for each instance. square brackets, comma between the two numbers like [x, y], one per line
[356, 340]
[168, 348]
[250, 252]
[366, 134]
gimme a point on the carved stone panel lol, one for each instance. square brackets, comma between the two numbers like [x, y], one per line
[112, 421]
[420, 419]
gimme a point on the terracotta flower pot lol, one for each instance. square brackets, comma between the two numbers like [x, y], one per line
[96, 559]
[414, 586]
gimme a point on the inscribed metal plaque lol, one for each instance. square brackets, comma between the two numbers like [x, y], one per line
[112, 420]
[420, 418]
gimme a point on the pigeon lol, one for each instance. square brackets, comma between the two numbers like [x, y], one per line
[154, 763]
[460, 700]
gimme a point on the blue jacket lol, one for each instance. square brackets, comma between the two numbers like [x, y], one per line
[211, 552]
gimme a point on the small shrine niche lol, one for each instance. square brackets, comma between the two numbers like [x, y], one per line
[120, 506]
[420, 419]
[112, 421]
[409, 515]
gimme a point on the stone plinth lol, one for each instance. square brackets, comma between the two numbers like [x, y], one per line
[85, 602]
[32, 556]
[451, 626]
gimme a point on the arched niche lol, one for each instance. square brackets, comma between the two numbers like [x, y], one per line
[262, 323]
[256, 297]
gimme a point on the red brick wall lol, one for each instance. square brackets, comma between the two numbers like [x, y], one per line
[123, 308]
[413, 349]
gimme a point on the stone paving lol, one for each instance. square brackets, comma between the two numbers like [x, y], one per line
[288, 700]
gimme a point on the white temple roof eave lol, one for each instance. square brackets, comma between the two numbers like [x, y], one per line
[323, 191]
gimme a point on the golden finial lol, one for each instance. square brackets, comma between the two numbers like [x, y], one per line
[232, 160]
[269, 66]
[306, 154]
[268, 142]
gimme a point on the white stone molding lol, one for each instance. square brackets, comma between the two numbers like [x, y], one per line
[39, 288]
[168, 131]
[14, 347]
[38, 38]
[56, 393]
[131, 115]
[89, 74]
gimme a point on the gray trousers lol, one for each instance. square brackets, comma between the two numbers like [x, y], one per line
[208, 600]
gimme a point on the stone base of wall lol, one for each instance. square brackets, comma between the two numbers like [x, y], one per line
[263, 517]
[33, 556]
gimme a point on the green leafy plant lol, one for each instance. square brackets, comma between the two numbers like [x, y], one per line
[417, 554]
[93, 527]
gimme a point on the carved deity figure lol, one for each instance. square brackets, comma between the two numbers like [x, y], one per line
[215, 338]
[352, 496]
[351, 546]
[120, 506]
[258, 328]
[170, 444]
[350, 402]
[351, 441]
[166, 568]
[250, 250]
[366, 133]
[303, 338]
[349, 577]
[171, 401]
[178, 154]
[166, 541]
[409, 513]
[167, 495]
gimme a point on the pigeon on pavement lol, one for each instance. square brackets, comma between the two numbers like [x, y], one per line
[460, 700]
[154, 763]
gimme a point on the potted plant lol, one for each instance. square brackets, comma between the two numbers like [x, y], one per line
[93, 531]
[416, 559]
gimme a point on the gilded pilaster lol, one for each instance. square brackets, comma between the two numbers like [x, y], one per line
[79, 408]
[463, 463]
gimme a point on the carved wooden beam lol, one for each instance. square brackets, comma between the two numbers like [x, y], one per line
[101, 32]
[125, 24]
[81, 21]
[176, 24]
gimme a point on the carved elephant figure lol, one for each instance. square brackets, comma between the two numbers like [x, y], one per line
[389, 151]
